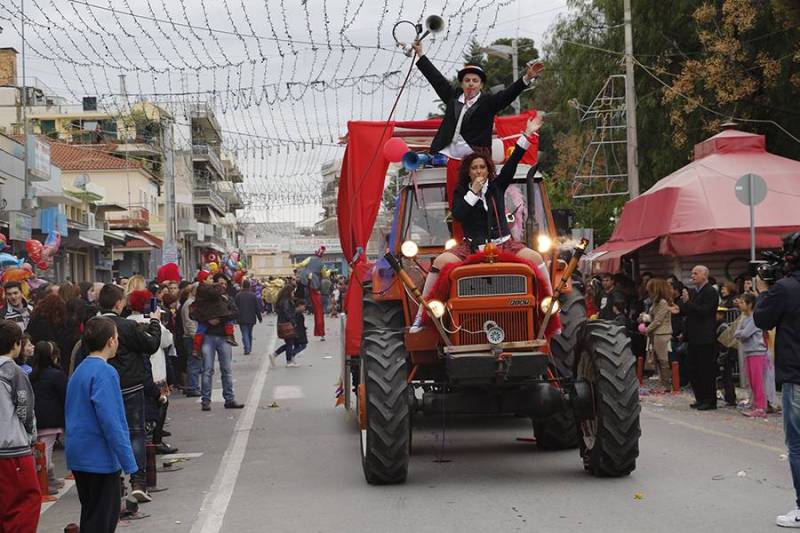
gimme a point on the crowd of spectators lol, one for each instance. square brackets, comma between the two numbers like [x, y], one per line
[91, 367]
[703, 325]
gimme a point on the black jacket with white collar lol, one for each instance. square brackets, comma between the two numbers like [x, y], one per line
[478, 122]
[480, 222]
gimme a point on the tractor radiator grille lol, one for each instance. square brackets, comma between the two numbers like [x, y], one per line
[492, 285]
[516, 324]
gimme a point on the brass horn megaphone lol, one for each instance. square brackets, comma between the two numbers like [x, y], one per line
[433, 24]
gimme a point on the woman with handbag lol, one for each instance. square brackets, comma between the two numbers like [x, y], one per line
[284, 307]
[659, 329]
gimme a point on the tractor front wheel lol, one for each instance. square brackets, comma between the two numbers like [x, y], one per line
[386, 429]
[610, 438]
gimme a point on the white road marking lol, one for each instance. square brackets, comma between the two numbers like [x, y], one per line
[714, 432]
[178, 456]
[215, 504]
[287, 392]
[68, 484]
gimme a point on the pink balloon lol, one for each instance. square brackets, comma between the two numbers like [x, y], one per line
[394, 149]
[27, 266]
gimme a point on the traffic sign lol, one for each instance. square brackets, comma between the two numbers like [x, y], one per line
[751, 189]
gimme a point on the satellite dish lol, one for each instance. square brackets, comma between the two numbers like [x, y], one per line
[81, 181]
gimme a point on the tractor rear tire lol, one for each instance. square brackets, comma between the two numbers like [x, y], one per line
[557, 432]
[573, 316]
[610, 440]
[385, 441]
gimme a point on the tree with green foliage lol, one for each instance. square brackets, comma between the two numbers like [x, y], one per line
[698, 64]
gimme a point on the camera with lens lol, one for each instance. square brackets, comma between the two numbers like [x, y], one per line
[777, 264]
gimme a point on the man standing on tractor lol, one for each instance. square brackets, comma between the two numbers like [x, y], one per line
[469, 115]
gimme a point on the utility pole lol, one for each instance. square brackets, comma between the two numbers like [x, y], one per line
[168, 170]
[515, 67]
[630, 107]
[25, 131]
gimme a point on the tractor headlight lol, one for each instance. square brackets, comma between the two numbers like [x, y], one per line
[409, 249]
[451, 243]
[437, 308]
[494, 333]
[545, 305]
[544, 244]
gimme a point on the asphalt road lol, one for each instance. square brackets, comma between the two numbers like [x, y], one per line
[290, 461]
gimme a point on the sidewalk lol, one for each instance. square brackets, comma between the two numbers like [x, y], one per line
[724, 421]
[193, 431]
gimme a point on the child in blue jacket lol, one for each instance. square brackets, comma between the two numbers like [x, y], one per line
[98, 444]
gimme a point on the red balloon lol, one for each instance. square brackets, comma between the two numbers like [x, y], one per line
[42, 265]
[33, 247]
[394, 149]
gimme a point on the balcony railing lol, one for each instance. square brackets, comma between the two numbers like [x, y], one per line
[134, 218]
[204, 152]
[205, 193]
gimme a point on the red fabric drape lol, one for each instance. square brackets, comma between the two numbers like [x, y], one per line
[514, 125]
[360, 191]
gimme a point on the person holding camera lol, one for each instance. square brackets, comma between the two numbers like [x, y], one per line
[778, 306]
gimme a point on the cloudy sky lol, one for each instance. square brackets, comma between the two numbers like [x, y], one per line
[284, 76]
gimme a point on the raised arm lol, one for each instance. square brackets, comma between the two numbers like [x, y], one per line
[529, 139]
[444, 89]
[504, 98]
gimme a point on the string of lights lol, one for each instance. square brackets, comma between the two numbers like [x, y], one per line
[282, 88]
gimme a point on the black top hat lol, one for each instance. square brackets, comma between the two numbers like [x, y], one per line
[471, 69]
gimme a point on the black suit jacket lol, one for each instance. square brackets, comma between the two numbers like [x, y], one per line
[701, 316]
[476, 128]
[480, 225]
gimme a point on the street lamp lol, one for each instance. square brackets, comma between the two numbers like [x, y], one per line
[504, 51]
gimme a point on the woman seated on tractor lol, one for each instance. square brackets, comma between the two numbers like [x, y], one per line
[479, 205]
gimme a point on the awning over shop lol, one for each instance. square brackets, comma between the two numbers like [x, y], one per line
[118, 236]
[213, 246]
[694, 210]
[616, 250]
[139, 241]
[92, 236]
[609, 256]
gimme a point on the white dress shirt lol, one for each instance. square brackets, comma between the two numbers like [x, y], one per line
[473, 198]
[459, 148]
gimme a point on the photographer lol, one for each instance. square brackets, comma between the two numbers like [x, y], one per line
[778, 306]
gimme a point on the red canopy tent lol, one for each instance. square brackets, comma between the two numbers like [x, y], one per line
[694, 210]
[361, 188]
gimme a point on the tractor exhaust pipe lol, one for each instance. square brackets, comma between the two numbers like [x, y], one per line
[580, 249]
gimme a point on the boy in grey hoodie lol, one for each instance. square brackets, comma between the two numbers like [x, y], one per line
[20, 498]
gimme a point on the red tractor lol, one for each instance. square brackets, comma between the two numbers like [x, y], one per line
[484, 349]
